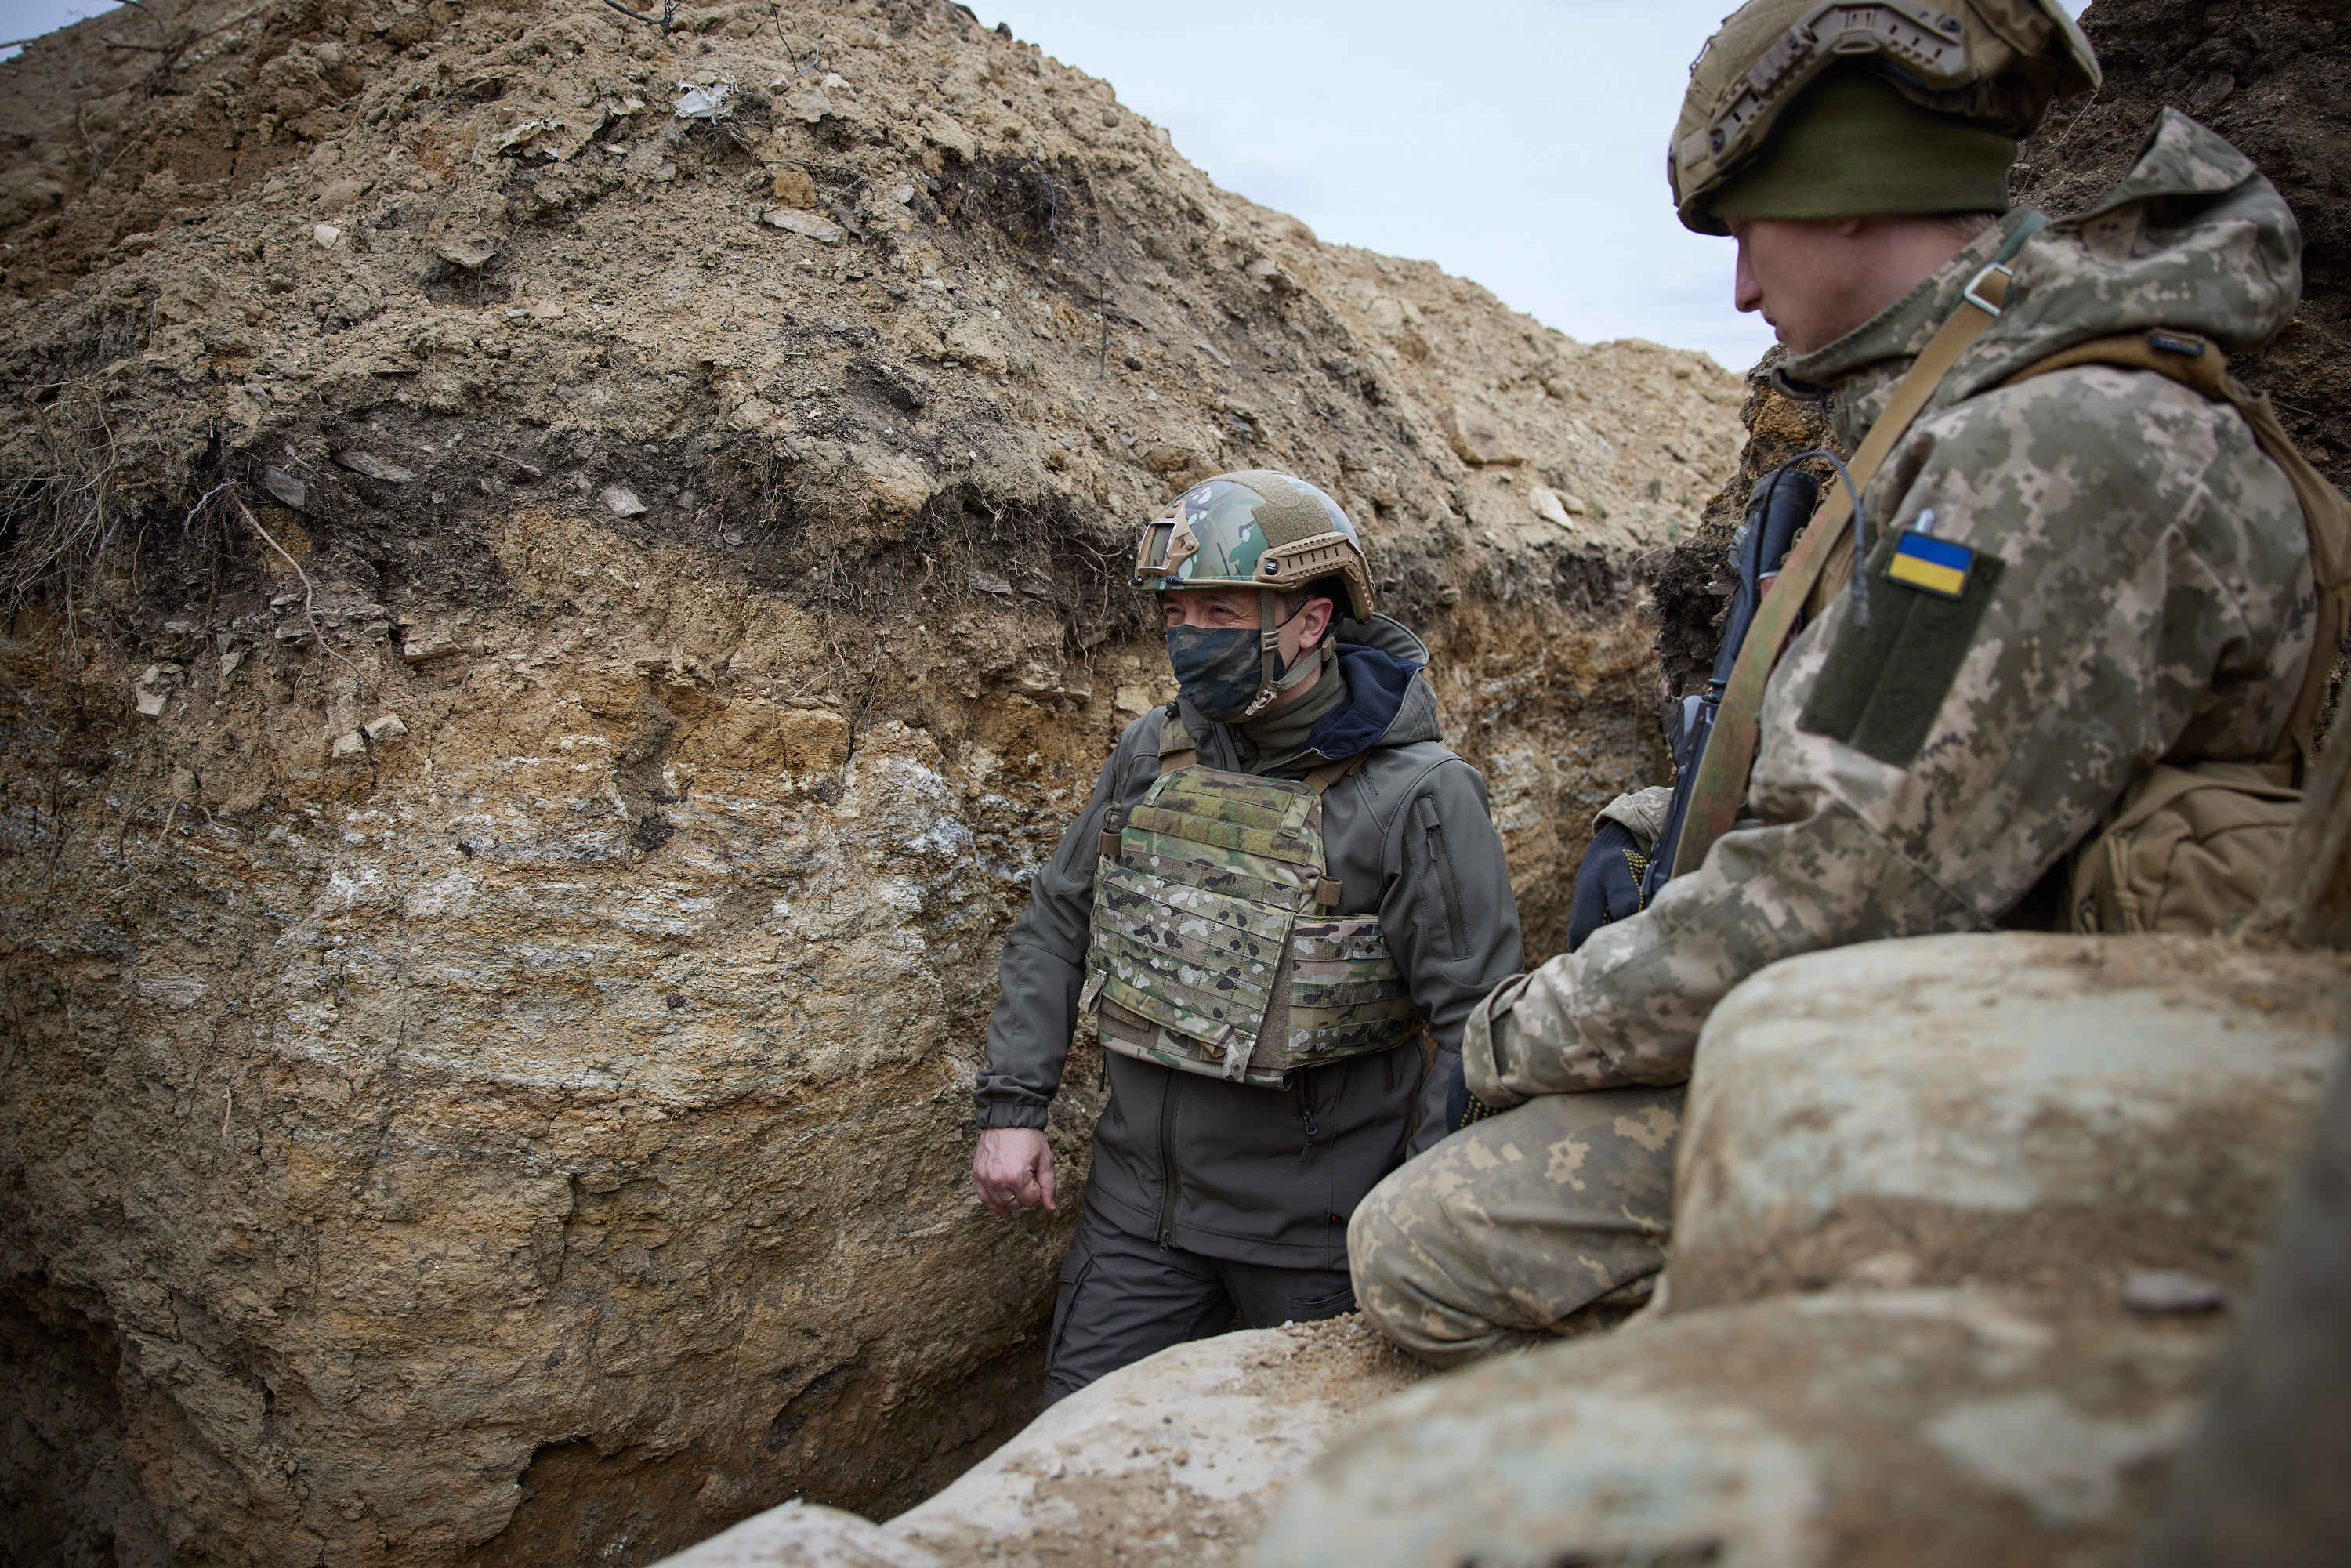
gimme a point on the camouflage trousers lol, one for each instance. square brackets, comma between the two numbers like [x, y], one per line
[1546, 1219]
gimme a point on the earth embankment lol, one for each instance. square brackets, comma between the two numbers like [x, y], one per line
[562, 574]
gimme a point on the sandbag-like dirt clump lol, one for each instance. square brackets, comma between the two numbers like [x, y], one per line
[561, 574]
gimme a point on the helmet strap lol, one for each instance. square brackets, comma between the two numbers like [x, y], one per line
[1270, 683]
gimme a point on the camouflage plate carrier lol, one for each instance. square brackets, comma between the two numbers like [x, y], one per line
[1212, 948]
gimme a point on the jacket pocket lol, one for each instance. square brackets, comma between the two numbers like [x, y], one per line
[1440, 872]
[1077, 1264]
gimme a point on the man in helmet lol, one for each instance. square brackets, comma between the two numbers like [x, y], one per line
[1283, 889]
[2078, 591]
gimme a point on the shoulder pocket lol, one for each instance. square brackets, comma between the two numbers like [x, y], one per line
[1883, 683]
[1440, 872]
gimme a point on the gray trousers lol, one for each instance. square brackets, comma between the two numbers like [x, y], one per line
[1123, 1297]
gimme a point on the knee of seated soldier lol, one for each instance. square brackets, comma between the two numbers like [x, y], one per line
[1373, 1238]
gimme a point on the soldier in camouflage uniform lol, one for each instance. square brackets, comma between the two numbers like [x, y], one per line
[1276, 911]
[2133, 585]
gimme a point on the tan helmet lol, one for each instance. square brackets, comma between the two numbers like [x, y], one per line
[1997, 64]
[1254, 529]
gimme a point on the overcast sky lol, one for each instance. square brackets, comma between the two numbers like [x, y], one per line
[1518, 142]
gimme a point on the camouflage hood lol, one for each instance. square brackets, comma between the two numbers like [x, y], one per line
[2193, 238]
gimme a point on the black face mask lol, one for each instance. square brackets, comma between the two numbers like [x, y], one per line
[1220, 669]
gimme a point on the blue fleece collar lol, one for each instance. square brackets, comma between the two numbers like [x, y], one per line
[1376, 684]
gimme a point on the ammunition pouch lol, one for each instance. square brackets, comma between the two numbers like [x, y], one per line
[2190, 850]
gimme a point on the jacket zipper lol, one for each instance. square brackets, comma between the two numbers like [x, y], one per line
[1167, 1162]
[1304, 1097]
[1435, 834]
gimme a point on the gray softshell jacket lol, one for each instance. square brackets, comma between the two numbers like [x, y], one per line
[1271, 1176]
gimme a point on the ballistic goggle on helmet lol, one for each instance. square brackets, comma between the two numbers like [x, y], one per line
[1254, 529]
[1998, 64]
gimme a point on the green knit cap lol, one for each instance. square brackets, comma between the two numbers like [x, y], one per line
[1853, 147]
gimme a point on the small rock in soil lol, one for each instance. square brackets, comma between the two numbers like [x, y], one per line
[2160, 1292]
[1549, 507]
[623, 502]
[471, 252]
[424, 646]
[370, 467]
[792, 220]
[283, 488]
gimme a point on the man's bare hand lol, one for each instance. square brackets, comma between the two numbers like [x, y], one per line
[1013, 1168]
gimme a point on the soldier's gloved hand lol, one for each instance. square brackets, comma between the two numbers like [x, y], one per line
[1461, 1107]
[1013, 1169]
[1608, 887]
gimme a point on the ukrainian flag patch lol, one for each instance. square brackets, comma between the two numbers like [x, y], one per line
[1937, 566]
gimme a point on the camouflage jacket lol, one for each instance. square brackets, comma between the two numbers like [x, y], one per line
[1258, 1175]
[2141, 590]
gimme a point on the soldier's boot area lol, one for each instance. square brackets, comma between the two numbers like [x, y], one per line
[1960, 1229]
[1535, 1223]
[1125, 1296]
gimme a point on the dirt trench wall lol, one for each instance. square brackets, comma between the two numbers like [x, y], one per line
[548, 636]
[2268, 76]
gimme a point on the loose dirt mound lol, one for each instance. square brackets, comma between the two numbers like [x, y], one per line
[613, 573]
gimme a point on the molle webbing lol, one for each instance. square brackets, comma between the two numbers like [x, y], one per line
[1210, 952]
[1178, 750]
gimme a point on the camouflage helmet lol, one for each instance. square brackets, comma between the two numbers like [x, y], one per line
[1996, 64]
[1254, 529]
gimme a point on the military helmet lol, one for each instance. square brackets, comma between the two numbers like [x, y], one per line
[1254, 529]
[1996, 64]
